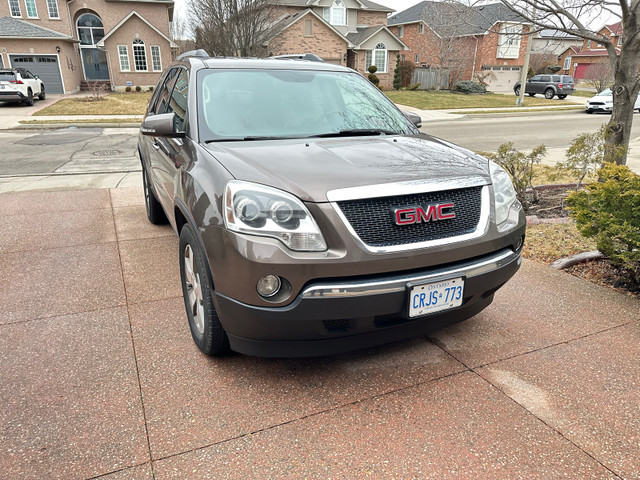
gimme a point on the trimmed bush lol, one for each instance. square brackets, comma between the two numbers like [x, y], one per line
[609, 211]
[372, 75]
[138, 88]
[128, 89]
[468, 86]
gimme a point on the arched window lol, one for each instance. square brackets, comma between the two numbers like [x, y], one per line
[90, 29]
[336, 14]
[139, 55]
[378, 57]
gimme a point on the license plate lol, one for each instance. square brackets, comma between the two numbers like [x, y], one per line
[435, 297]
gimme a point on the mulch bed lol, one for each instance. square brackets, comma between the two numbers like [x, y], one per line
[551, 208]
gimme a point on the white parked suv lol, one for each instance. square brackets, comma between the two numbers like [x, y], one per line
[18, 84]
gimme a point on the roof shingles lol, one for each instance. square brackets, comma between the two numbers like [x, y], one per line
[16, 28]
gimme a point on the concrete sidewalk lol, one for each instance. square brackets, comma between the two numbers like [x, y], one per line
[101, 378]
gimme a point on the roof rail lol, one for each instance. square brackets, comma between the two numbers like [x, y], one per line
[200, 53]
[312, 57]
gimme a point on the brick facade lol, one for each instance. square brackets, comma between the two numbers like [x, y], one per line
[323, 41]
[474, 52]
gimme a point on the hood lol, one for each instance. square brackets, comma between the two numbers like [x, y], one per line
[309, 168]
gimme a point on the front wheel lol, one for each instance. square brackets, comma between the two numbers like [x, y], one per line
[591, 111]
[548, 93]
[42, 94]
[562, 97]
[155, 213]
[204, 323]
[517, 91]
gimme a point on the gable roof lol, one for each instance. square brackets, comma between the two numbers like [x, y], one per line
[288, 20]
[16, 28]
[615, 28]
[456, 19]
[365, 33]
[366, 4]
[124, 20]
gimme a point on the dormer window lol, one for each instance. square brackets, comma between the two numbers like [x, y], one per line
[336, 14]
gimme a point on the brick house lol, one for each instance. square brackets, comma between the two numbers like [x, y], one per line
[345, 32]
[465, 40]
[576, 61]
[67, 42]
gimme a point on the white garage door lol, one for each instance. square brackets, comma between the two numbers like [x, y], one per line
[502, 78]
[44, 66]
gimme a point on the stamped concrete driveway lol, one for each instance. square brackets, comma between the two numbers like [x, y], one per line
[100, 377]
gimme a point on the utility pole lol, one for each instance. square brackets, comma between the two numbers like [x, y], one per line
[525, 67]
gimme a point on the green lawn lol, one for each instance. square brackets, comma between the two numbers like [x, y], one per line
[111, 104]
[444, 100]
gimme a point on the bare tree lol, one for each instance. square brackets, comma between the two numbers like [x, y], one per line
[451, 53]
[599, 76]
[539, 62]
[584, 18]
[230, 27]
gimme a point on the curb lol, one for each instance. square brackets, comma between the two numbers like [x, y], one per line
[57, 126]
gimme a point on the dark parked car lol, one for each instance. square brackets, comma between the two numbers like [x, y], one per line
[549, 85]
[313, 216]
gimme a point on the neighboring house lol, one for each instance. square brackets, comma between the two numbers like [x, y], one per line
[485, 42]
[577, 63]
[68, 43]
[554, 42]
[345, 32]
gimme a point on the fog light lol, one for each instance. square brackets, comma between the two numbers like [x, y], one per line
[268, 286]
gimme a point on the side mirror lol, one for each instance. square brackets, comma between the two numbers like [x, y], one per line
[163, 125]
[413, 118]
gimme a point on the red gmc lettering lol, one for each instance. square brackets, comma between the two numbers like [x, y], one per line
[420, 214]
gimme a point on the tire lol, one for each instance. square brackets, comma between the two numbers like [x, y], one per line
[42, 94]
[204, 323]
[517, 91]
[549, 93]
[29, 100]
[531, 94]
[562, 97]
[589, 111]
[155, 213]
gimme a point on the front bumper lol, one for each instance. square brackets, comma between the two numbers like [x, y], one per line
[334, 317]
[598, 107]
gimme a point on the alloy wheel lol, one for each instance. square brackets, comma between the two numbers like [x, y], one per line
[194, 289]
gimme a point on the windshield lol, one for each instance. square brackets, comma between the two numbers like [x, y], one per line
[605, 93]
[273, 104]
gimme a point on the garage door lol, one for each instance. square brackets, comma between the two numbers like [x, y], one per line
[502, 78]
[44, 66]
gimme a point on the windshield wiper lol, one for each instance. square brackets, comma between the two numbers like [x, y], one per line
[357, 132]
[244, 139]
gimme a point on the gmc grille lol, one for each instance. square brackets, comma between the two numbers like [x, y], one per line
[373, 221]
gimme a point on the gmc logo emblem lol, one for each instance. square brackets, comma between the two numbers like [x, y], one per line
[423, 213]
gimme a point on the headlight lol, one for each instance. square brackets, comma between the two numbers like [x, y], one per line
[258, 210]
[503, 190]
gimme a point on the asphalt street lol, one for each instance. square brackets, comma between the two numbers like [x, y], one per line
[526, 131]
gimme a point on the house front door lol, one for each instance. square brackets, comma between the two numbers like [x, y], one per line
[95, 64]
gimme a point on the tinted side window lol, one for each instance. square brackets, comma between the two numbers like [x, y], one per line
[556, 78]
[162, 99]
[536, 78]
[178, 102]
[545, 78]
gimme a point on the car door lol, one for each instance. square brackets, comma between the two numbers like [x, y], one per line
[544, 82]
[154, 146]
[168, 153]
[532, 83]
[30, 80]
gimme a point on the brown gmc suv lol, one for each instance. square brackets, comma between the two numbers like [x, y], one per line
[313, 216]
